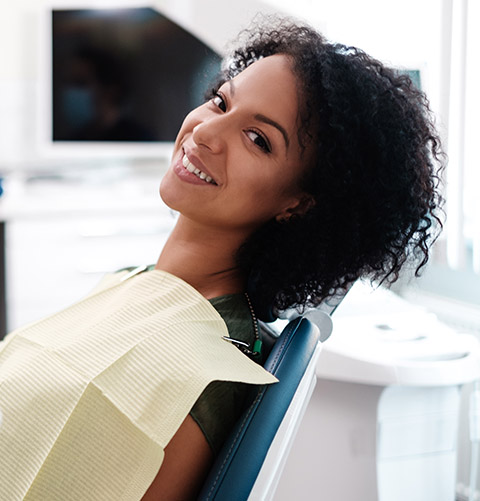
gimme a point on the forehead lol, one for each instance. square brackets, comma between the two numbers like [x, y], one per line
[278, 64]
[271, 84]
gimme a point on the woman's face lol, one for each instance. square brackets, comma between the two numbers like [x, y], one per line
[237, 161]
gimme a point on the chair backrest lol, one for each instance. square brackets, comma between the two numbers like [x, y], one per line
[251, 460]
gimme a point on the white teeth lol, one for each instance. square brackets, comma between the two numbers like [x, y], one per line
[190, 167]
[187, 164]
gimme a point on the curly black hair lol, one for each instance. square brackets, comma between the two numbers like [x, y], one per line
[374, 179]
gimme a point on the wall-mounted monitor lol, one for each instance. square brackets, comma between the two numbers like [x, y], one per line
[122, 80]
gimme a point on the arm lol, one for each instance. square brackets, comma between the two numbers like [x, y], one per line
[188, 458]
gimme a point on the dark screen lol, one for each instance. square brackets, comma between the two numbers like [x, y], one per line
[125, 75]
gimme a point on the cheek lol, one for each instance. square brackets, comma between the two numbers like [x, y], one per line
[270, 188]
[264, 196]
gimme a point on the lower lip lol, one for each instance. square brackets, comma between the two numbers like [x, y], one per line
[187, 176]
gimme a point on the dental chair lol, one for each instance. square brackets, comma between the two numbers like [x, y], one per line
[251, 461]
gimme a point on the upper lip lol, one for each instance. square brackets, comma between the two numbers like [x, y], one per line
[197, 163]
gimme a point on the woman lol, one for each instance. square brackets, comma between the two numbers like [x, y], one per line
[311, 165]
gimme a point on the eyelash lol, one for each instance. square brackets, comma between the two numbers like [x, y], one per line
[261, 141]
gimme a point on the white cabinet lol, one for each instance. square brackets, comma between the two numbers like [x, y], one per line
[51, 262]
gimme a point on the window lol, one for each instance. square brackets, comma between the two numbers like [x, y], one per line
[455, 268]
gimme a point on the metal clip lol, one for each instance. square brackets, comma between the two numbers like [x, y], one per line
[236, 342]
[243, 347]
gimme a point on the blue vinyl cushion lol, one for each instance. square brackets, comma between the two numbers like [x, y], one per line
[240, 460]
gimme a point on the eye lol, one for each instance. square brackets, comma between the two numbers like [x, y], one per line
[259, 140]
[219, 101]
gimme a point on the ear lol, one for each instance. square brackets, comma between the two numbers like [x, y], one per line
[299, 206]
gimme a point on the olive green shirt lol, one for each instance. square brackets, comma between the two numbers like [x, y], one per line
[222, 402]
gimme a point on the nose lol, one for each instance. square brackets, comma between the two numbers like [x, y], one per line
[210, 133]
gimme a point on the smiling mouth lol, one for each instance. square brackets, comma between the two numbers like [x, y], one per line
[191, 168]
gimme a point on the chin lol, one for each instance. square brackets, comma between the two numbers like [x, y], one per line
[167, 192]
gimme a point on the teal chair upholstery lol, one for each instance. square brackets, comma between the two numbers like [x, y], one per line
[250, 462]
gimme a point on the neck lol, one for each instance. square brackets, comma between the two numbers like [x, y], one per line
[204, 257]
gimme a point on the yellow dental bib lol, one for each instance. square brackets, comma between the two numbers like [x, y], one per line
[90, 396]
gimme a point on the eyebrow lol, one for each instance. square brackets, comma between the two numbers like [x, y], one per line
[269, 121]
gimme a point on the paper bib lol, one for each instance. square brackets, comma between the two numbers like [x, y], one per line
[91, 396]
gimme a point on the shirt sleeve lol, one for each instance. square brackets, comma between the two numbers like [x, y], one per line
[218, 409]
